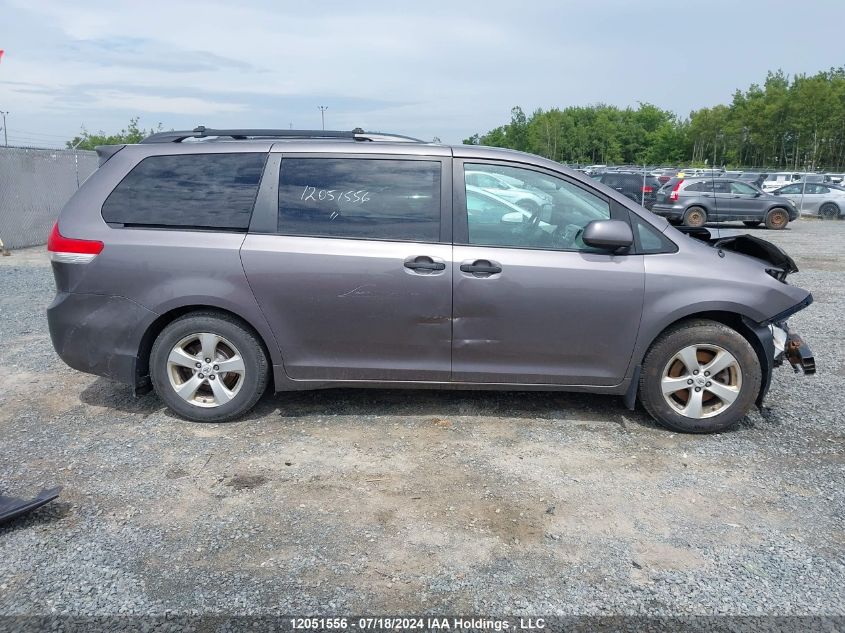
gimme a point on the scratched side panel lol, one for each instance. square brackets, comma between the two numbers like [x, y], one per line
[346, 309]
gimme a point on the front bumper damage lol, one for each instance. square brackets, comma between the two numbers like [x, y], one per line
[791, 347]
[775, 344]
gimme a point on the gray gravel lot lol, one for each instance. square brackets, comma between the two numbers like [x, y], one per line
[415, 501]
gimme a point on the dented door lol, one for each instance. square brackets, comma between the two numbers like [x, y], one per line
[545, 317]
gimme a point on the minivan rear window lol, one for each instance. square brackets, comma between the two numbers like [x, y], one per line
[380, 199]
[202, 191]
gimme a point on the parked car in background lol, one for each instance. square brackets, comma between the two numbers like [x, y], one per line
[509, 189]
[696, 201]
[779, 179]
[700, 173]
[631, 184]
[835, 178]
[665, 175]
[754, 177]
[814, 178]
[293, 260]
[825, 200]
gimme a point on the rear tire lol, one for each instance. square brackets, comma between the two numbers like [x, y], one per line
[777, 219]
[723, 397]
[215, 361]
[752, 223]
[695, 217]
[829, 211]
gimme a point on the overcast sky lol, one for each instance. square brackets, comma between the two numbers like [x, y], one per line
[433, 68]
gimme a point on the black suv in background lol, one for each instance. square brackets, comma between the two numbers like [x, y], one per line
[632, 185]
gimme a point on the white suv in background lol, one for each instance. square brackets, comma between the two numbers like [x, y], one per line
[779, 179]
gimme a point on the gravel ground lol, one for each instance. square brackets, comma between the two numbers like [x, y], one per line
[421, 502]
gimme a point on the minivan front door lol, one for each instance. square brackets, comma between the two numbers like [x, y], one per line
[354, 273]
[532, 303]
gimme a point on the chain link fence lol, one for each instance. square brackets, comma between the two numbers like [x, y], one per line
[34, 185]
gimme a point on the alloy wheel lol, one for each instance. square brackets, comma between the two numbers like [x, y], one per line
[701, 381]
[205, 369]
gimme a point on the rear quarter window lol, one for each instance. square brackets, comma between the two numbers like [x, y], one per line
[203, 191]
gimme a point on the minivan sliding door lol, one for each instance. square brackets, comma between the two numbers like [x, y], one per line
[354, 271]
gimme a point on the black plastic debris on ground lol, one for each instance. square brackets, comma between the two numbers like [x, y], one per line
[12, 507]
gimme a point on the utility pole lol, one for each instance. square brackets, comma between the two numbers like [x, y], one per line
[323, 115]
[5, 134]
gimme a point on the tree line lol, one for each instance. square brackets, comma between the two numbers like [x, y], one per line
[132, 133]
[785, 123]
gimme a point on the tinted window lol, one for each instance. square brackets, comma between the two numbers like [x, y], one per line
[360, 198]
[790, 189]
[212, 191]
[536, 211]
[699, 186]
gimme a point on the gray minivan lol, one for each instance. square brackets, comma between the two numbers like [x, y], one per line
[212, 265]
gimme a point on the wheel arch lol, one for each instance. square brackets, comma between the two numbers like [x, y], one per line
[690, 207]
[142, 365]
[840, 205]
[756, 335]
[775, 206]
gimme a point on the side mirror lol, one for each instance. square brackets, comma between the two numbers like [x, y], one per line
[609, 235]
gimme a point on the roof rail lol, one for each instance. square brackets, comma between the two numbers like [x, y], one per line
[203, 132]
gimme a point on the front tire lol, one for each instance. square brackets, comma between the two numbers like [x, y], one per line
[777, 219]
[208, 367]
[700, 377]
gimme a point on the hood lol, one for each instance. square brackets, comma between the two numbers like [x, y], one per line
[760, 249]
[750, 246]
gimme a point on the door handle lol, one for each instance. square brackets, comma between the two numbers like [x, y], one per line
[481, 267]
[424, 262]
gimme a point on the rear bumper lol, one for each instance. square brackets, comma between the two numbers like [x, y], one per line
[668, 211]
[98, 334]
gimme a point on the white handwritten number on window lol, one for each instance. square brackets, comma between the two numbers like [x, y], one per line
[319, 195]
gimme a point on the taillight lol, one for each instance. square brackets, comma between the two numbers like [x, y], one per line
[647, 189]
[674, 195]
[71, 251]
